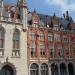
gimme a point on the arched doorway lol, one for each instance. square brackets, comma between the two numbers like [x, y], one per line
[71, 69]
[63, 69]
[44, 69]
[54, 69]
[34, 69]
[7, 70]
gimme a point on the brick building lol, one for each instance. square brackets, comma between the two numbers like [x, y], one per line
[51, 47]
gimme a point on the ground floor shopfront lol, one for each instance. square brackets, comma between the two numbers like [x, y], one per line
[41, 69]
[52, 69]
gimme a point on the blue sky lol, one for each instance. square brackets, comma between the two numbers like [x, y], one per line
[51, 6]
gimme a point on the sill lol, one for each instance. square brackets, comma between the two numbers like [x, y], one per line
[43, 58]
[15, 57]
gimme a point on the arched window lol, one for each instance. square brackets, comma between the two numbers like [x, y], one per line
[71, 69]
[2, 33]
[63, 69]
[16, 43]
[54, 69]
[44, 69]
[7, 70]
[34, 69]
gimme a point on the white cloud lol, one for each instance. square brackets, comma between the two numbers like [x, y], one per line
[63, 4]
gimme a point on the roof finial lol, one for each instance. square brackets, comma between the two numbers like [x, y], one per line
[64, 15]
[67, 15]
[54, 15]
[34, 11]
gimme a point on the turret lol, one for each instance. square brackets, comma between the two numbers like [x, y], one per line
[2, 7]
[35, 19]
[23, 12]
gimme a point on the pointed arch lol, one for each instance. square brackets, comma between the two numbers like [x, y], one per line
[8, 69]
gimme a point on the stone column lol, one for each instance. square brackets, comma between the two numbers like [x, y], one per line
[49, 69]
[74, 69]
[59, 69]
[39, 70]
[29, 70]
[67, 69]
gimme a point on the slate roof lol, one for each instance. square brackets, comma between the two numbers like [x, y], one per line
[49, 20]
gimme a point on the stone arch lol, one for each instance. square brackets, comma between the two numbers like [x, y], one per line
[34, 69]
[54, 69]
[63, 70]
[9, 67]
[71, 68]
[44, 69]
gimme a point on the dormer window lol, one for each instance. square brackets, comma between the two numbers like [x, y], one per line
[35, 19]
[56, 27]
[56, 37]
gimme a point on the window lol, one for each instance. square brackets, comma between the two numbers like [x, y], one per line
[42, 50]
[44, 69]
[34, 69]
[65, 38]
[51, 48]
[33, 48]
[32, 36]
[57, 37]
[60, 52]
[16, 43]
[56, 27]
[50, 37]
[2, 41]
[41, 36]
[67, 52]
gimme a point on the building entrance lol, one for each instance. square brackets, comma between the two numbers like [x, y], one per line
[7, 70]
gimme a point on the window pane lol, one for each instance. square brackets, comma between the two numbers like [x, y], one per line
[1, 37]
[41, 36]
[1, 43]
[42, 50]
[50, 37]
[1, 33]
[16, 37]
[32, 36]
